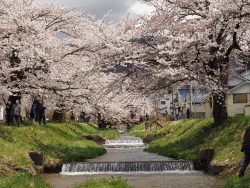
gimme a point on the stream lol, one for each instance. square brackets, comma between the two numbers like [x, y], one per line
[125, 157]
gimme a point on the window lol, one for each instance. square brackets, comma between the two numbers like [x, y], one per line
[163, 102]
[240, 98]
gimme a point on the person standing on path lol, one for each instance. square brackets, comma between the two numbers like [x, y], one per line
[72, 116]
[17, 113]
[246, 150]
[188, 113]
[82, 117]
[32, 114]
[42, 119]
[9, 113]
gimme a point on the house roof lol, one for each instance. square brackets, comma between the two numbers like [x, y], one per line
[241, 80]
[245, 72]
[238, 86]
[198, 95]
[239, 76]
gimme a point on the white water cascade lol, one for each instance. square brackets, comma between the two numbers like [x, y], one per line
[126, 167]
[124, 143]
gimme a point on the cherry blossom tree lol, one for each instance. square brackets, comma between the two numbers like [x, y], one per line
[54, 53]
[34, 37]
[201, 40]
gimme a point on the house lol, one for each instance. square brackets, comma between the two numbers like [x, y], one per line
[181, 98]
[165, 104]
[200, 103]
[197, 100]
[238, 96]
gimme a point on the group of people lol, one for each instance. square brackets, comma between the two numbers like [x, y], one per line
[83, 118]
[101, 121]
[175, 116]
[13, 113]
[37, 112]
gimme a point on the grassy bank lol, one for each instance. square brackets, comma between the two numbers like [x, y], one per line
[58, 142]
[23, 180]
[183, 139]
[236, 182]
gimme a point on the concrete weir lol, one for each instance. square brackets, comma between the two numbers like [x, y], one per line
[126, 167]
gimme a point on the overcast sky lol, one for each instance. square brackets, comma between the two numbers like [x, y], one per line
[98, 8]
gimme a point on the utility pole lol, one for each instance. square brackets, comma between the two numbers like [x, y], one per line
[174, 90]
[191, 99]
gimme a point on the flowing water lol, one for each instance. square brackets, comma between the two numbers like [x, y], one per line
[124, 141]
[125, 167]
[125, 157]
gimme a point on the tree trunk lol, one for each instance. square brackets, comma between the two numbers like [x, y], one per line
[219, 108]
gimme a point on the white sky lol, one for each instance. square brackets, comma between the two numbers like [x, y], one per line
[98, 8]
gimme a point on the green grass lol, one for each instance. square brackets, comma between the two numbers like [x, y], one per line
[183, 139]
[113, 182]
[236, 182]
[58, 142]
[23, 180]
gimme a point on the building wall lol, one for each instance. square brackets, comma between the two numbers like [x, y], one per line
[166, 106]
[1, 112]
[247, 110]
[202, 110]
[2, 109]
[234, 109]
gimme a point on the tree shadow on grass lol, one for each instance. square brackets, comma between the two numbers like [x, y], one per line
[183, 147]
[5, 135]
[188, 127]
[70, 153]
[83, 128]
[60, 132]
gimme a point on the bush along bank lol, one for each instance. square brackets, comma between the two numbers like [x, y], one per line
[44, 148]
[184, 139]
